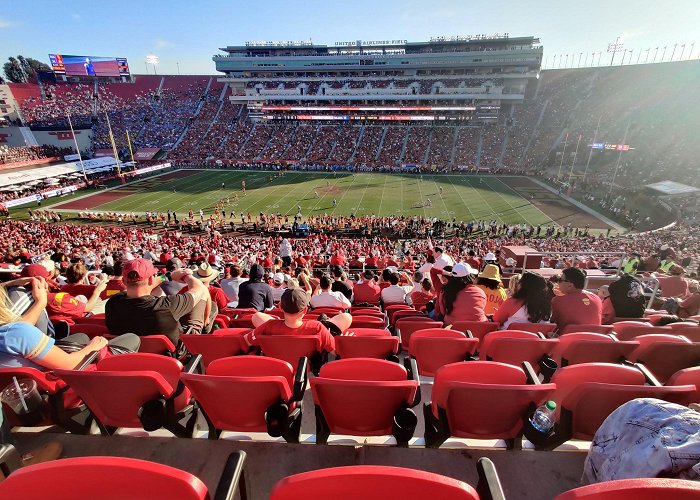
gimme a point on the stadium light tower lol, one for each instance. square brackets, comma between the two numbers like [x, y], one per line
[152, 59]
[614, 48]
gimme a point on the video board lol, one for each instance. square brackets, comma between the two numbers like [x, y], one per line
[70, 65]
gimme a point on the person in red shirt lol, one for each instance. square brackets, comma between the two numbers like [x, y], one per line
[294, 303]
[574, 305]
[472, 260]
[338, 259]
[366, 291]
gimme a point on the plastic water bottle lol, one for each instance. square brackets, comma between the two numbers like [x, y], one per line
[543, 418]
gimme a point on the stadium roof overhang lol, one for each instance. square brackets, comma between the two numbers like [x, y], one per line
[671, 188]
[27, 176]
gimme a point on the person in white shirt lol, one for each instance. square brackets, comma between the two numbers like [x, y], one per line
[327, 298]
[442, 259]
[286, 252]
[278, 288]
[395, 294]
[230, 284]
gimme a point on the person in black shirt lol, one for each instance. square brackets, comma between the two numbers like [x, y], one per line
[339, 285]
[138, 311]
[254, 293]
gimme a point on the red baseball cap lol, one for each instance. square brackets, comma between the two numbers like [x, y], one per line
[138, 270]
[35, 271]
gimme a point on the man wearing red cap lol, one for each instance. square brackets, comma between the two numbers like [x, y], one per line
[139, 311]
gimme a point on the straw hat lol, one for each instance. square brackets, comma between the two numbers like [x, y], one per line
[205, 272]
[491, 272]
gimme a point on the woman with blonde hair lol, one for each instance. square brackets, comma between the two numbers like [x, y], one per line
[24, 345]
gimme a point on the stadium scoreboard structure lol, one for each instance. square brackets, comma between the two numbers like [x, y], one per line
[89, 66]
[445, 79]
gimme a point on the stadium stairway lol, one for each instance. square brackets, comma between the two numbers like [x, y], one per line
[381, 142]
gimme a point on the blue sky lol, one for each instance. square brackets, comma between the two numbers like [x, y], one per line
[189, 33]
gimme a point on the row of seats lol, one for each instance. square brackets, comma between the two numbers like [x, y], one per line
[118, 477]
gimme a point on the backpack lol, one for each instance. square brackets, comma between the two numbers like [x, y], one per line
[627, 296]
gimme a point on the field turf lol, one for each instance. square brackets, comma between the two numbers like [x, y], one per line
[506, 199]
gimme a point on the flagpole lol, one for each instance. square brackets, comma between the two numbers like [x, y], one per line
[571, 172]
[561, 163]
[114, 145]
[77, 149]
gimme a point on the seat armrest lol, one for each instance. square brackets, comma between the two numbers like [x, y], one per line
[469, 334]
[193, 364]
[300, 379]
[10, 459]
[232, 477]
[87, 360]
[412, 368]
[532, 378]
[489, 485]
[650, 378]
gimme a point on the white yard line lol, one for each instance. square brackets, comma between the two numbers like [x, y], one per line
[526, 201]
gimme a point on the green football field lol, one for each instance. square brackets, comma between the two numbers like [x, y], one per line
[464, 197]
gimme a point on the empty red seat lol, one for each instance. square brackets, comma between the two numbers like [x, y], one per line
[157, 344]
[368, 322]
[543, 328]
[251, 394]
[375, 482]
[481, 400]
[576, 348]
[692, 333]
[290, 348]
[329, 311]
[514, 347]
[242, 322]
[628, 330]
[588, 393]
[604, 329]
[406, 326]
[405, 313]
[90, 329]
[364, 308]
[134, 390]
[664, 355]
[366, 343]
[687, 376]
[478, 329]
[115, 477]
[364, 397]
[635, 489]
[435, 347]
[227, 342]
[393, 308]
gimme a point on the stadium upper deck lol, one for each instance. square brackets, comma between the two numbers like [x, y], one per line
[479, 73]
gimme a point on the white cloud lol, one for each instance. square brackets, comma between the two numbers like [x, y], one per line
[162, 44]
[4, 23]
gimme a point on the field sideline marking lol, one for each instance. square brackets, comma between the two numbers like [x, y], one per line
[369, 178]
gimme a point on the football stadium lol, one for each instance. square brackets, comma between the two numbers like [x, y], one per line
[451, 266]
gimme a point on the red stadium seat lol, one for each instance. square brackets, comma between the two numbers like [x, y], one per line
[374, 482]
[577, 348]
[687, 376]
[481, 400]
[135, 390]
[227, 342]
[635, 489]
[366, 343]
[664, 355]
[544, 328]
[692, 333]
[90, 329]
[235, 312]
[514, 347]
[61, 404]
[406, 326]
[364, 309]
[329, 311]
[290, 348]
[405, 313]
[92, 320]
[628, 330]
[433, 348]
[364, 397]
[242, 322]
[373, 314]
[589, 392]
[368, 322]
[393, 308]
[116, 477]
[478, 329]
[157, 344]
[605, 329]
[251, 394]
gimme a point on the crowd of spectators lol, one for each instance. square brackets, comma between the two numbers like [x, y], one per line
[30, 153]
